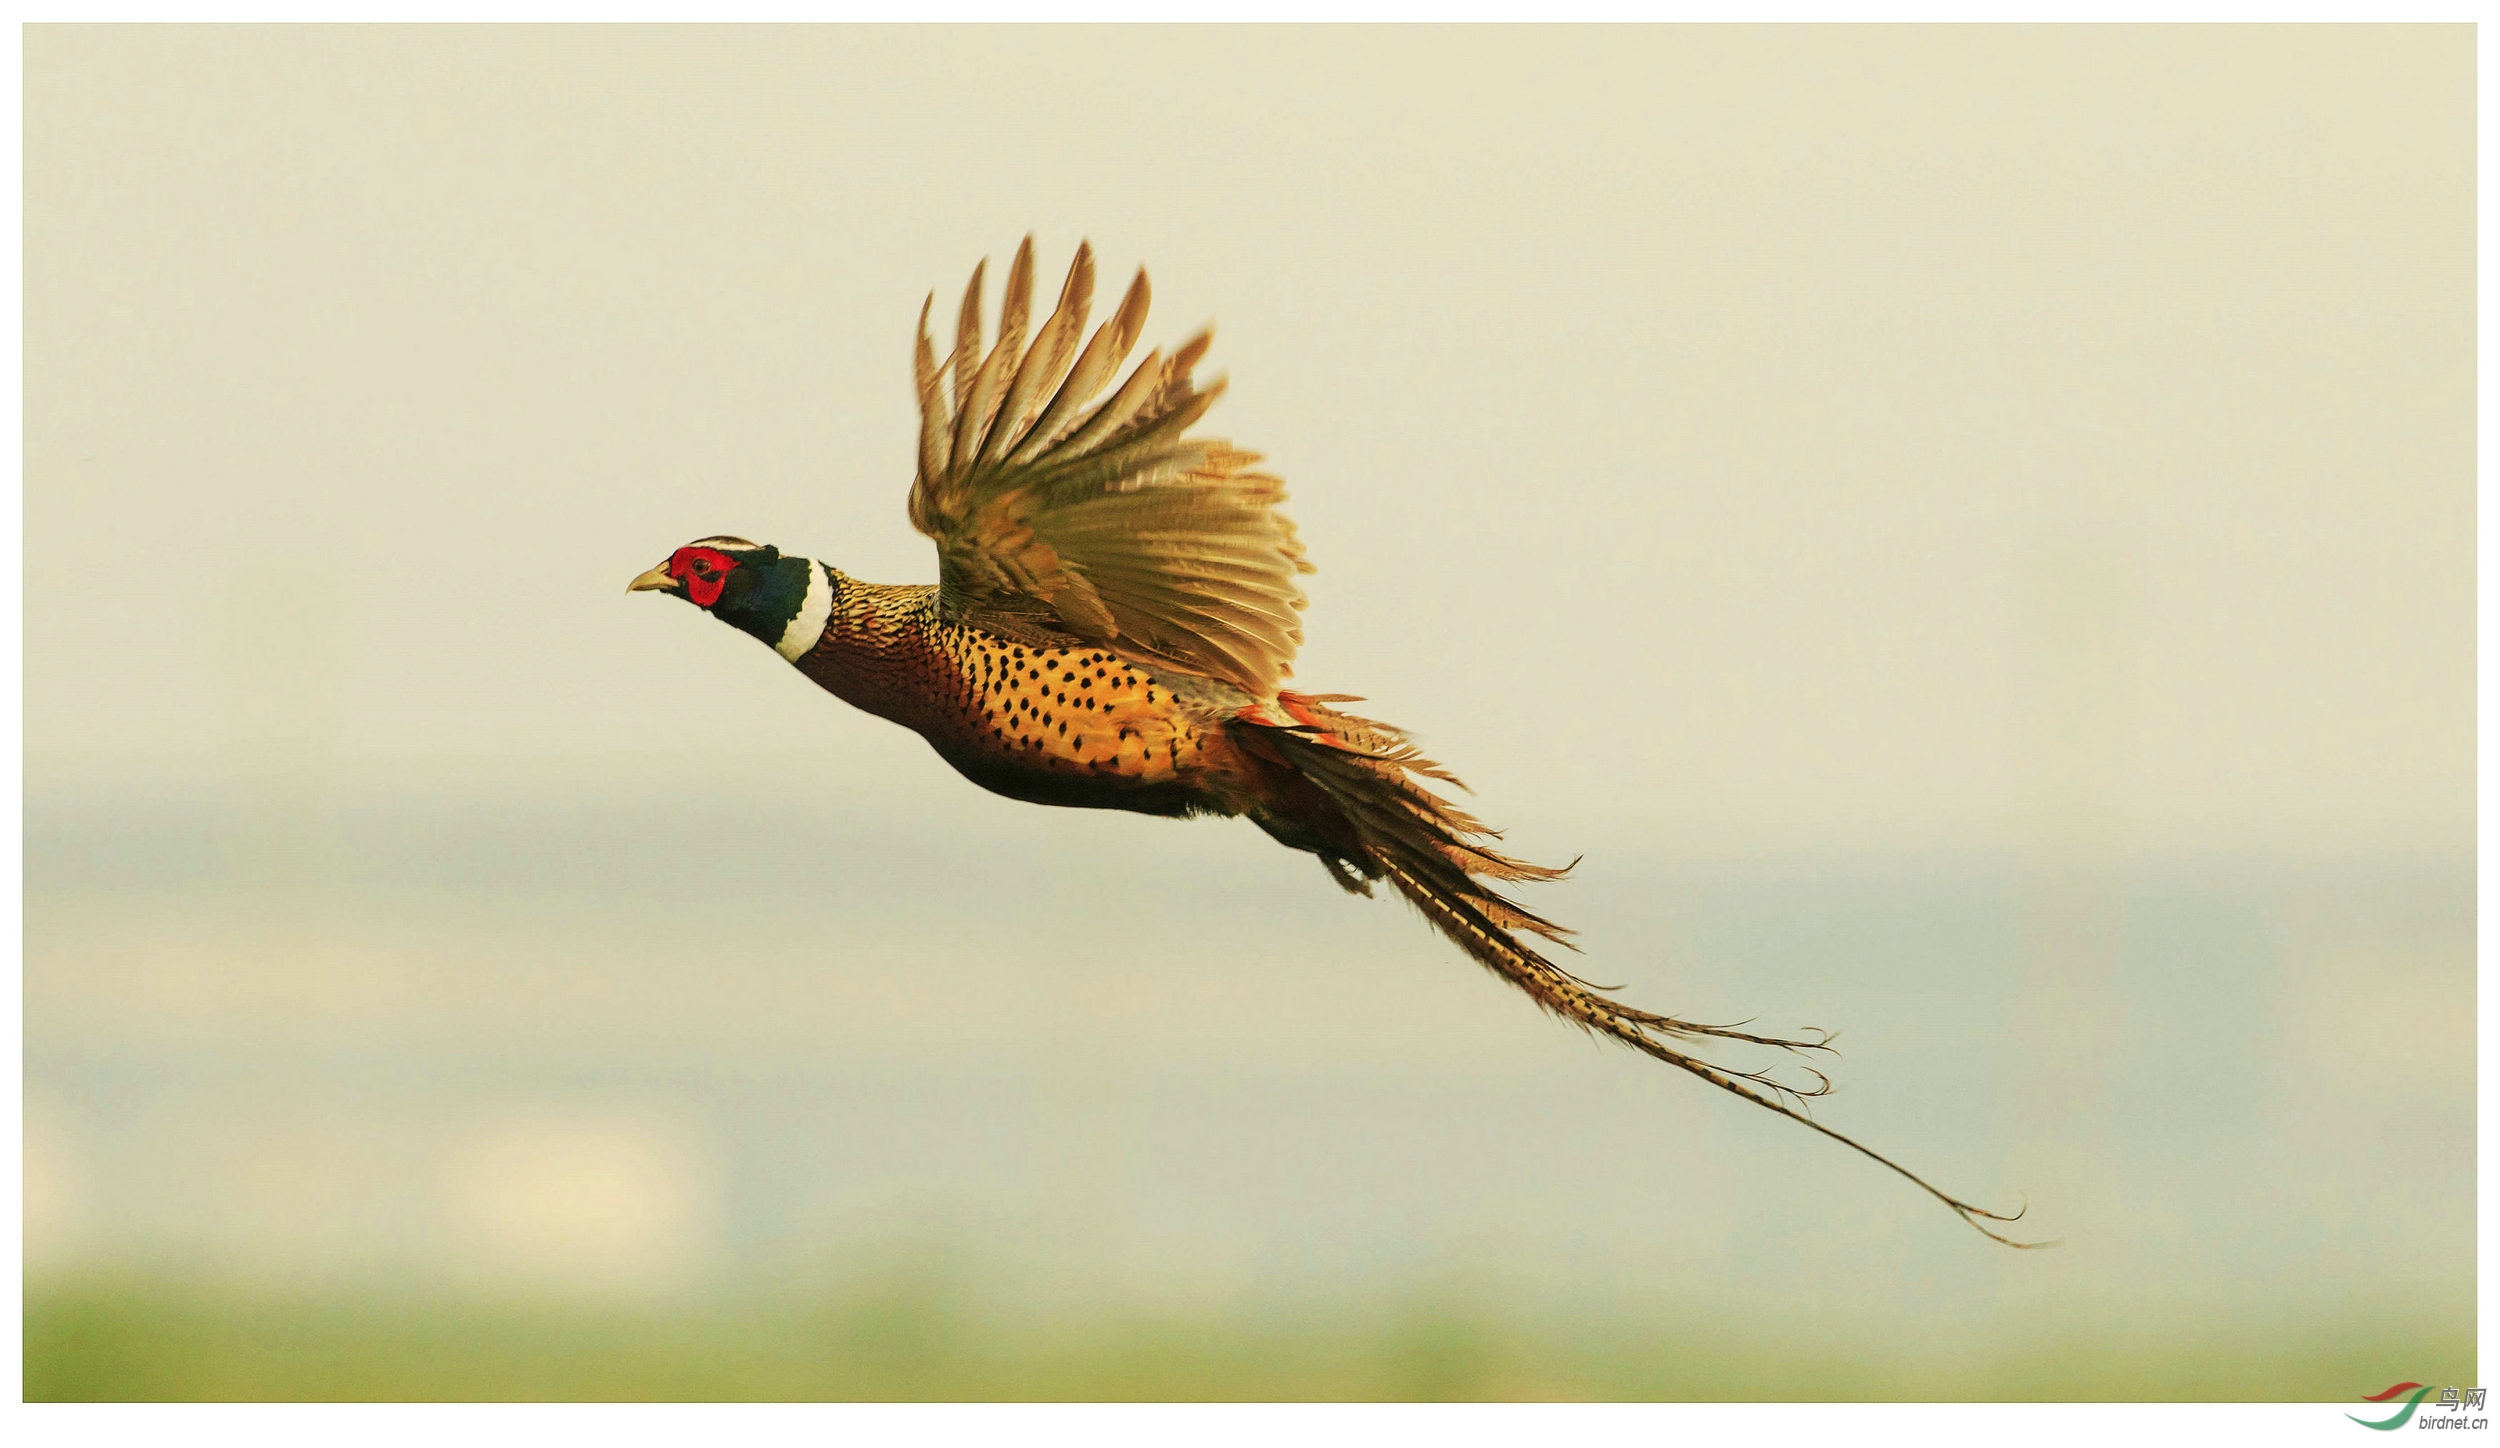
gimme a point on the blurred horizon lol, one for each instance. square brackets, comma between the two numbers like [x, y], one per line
[1271, 1098]
[1966, 530]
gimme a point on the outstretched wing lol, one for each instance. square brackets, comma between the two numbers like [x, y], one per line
[1056, 514]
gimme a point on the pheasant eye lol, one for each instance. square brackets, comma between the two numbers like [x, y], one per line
[703, 570]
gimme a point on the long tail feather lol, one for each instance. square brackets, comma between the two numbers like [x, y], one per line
[1390, 827]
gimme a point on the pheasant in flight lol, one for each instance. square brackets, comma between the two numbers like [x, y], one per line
[1115, 613]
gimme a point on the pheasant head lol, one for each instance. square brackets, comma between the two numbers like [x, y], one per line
[780, 598]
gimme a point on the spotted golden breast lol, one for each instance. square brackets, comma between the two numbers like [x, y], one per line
[1059, 725]
[1072, 708]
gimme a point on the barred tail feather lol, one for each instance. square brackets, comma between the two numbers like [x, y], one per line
[1390, 827]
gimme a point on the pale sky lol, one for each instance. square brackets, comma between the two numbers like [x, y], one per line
[1717, 441]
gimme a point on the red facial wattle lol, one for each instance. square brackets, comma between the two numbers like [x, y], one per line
[703, 571]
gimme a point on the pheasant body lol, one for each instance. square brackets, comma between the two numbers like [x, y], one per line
[1115, 615]
[1067, 723]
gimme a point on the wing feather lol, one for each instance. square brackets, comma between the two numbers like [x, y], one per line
[972, 414]
[1103, 356]
[1047, 362]
[1103, 520]
[968, 335]
[935, 447]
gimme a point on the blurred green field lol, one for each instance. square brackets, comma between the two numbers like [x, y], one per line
[159, 1338]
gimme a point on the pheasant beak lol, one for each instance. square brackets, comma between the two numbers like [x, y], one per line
[658, 578]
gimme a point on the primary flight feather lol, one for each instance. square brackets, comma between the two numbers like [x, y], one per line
[1117, 609]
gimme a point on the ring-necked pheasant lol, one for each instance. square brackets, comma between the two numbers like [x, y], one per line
[1115, 611]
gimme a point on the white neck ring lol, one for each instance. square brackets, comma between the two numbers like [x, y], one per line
[808, 625]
